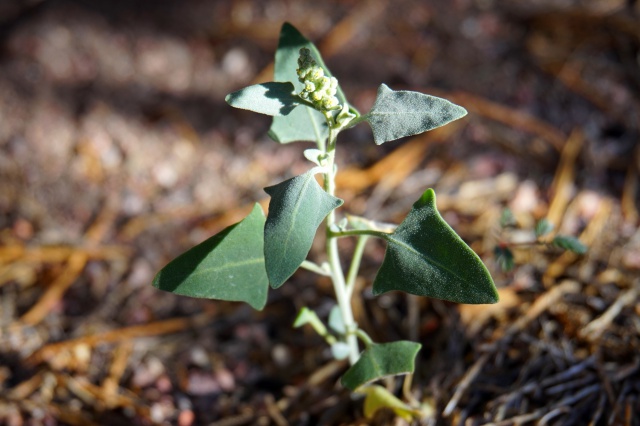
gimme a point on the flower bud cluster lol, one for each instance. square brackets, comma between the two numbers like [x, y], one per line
[318, 88]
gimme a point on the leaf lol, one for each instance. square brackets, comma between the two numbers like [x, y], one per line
[396, 114]
[426, 257]
[304, 123]
[569, 243]
[543, 227]
[378, 398]
[296, 209]
[336, 322]
[340, 350]
[301, 125]
[305, 316]
[381, 360]
[504, 257]
[267, 98]
[227, 266]
[507, 219]
[316, 156]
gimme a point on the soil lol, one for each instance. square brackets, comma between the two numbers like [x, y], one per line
[118, 152]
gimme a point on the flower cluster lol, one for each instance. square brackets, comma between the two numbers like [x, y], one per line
[318, 88]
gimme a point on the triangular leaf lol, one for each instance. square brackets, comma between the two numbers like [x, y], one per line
[378, 397]
[396, 114]
[426, 257]
[304, 123]
[227, 266]
[381, 360]
[267, 98]
[296, 209]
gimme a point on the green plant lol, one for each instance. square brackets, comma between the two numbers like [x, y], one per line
[542, 236]
[424, 256]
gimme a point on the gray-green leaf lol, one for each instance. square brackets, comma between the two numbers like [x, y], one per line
[543, 227]
[304, 123]
[296, 209]
[381, 360]
[396, 114]
[426, 257]
[272, 98]
[227, 266]
[569, 243]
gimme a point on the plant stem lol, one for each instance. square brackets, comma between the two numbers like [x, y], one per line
[337, 275]
[359, 232]
[355, 264]
[313, 267]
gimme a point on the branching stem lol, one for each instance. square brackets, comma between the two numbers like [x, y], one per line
[314, 267]
[337, 275]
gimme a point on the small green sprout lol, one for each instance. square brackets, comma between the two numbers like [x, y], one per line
[503, 252]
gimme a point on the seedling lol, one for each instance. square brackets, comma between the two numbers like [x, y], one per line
[543, 236]
[424, 256]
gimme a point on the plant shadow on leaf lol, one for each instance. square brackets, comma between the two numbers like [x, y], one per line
[172, 276]
[271, 98]
[228, 266]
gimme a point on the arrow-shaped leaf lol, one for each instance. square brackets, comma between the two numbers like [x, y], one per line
[272, 98]
[296, 209]
[426, 257]
[304, 123]
[396, 114]
[227, 266]
[381, 360]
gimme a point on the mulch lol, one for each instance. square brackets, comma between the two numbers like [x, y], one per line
[117, 153]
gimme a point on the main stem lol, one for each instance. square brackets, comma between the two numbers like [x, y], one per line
[337, 275]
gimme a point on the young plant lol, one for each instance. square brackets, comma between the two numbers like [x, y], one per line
[543, 236]
[424, 256]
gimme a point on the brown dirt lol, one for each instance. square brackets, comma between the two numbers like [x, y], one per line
[117, 152]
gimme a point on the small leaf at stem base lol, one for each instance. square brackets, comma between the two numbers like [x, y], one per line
[381, 360]
[378, 397]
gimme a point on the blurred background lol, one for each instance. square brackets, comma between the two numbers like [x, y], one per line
[118, 152]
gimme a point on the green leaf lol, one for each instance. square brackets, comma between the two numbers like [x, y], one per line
[543, 227]
[504, 257]
[267, 98]
[426, 257]
[381, 360]
[396, 114]
[296, 209]
[569, 243]
[336, 322]
[305, 316]
[340, 350]
[304, 123]
[227, 266]
[507, 219]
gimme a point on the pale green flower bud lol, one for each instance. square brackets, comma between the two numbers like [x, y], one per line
[318, 88]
